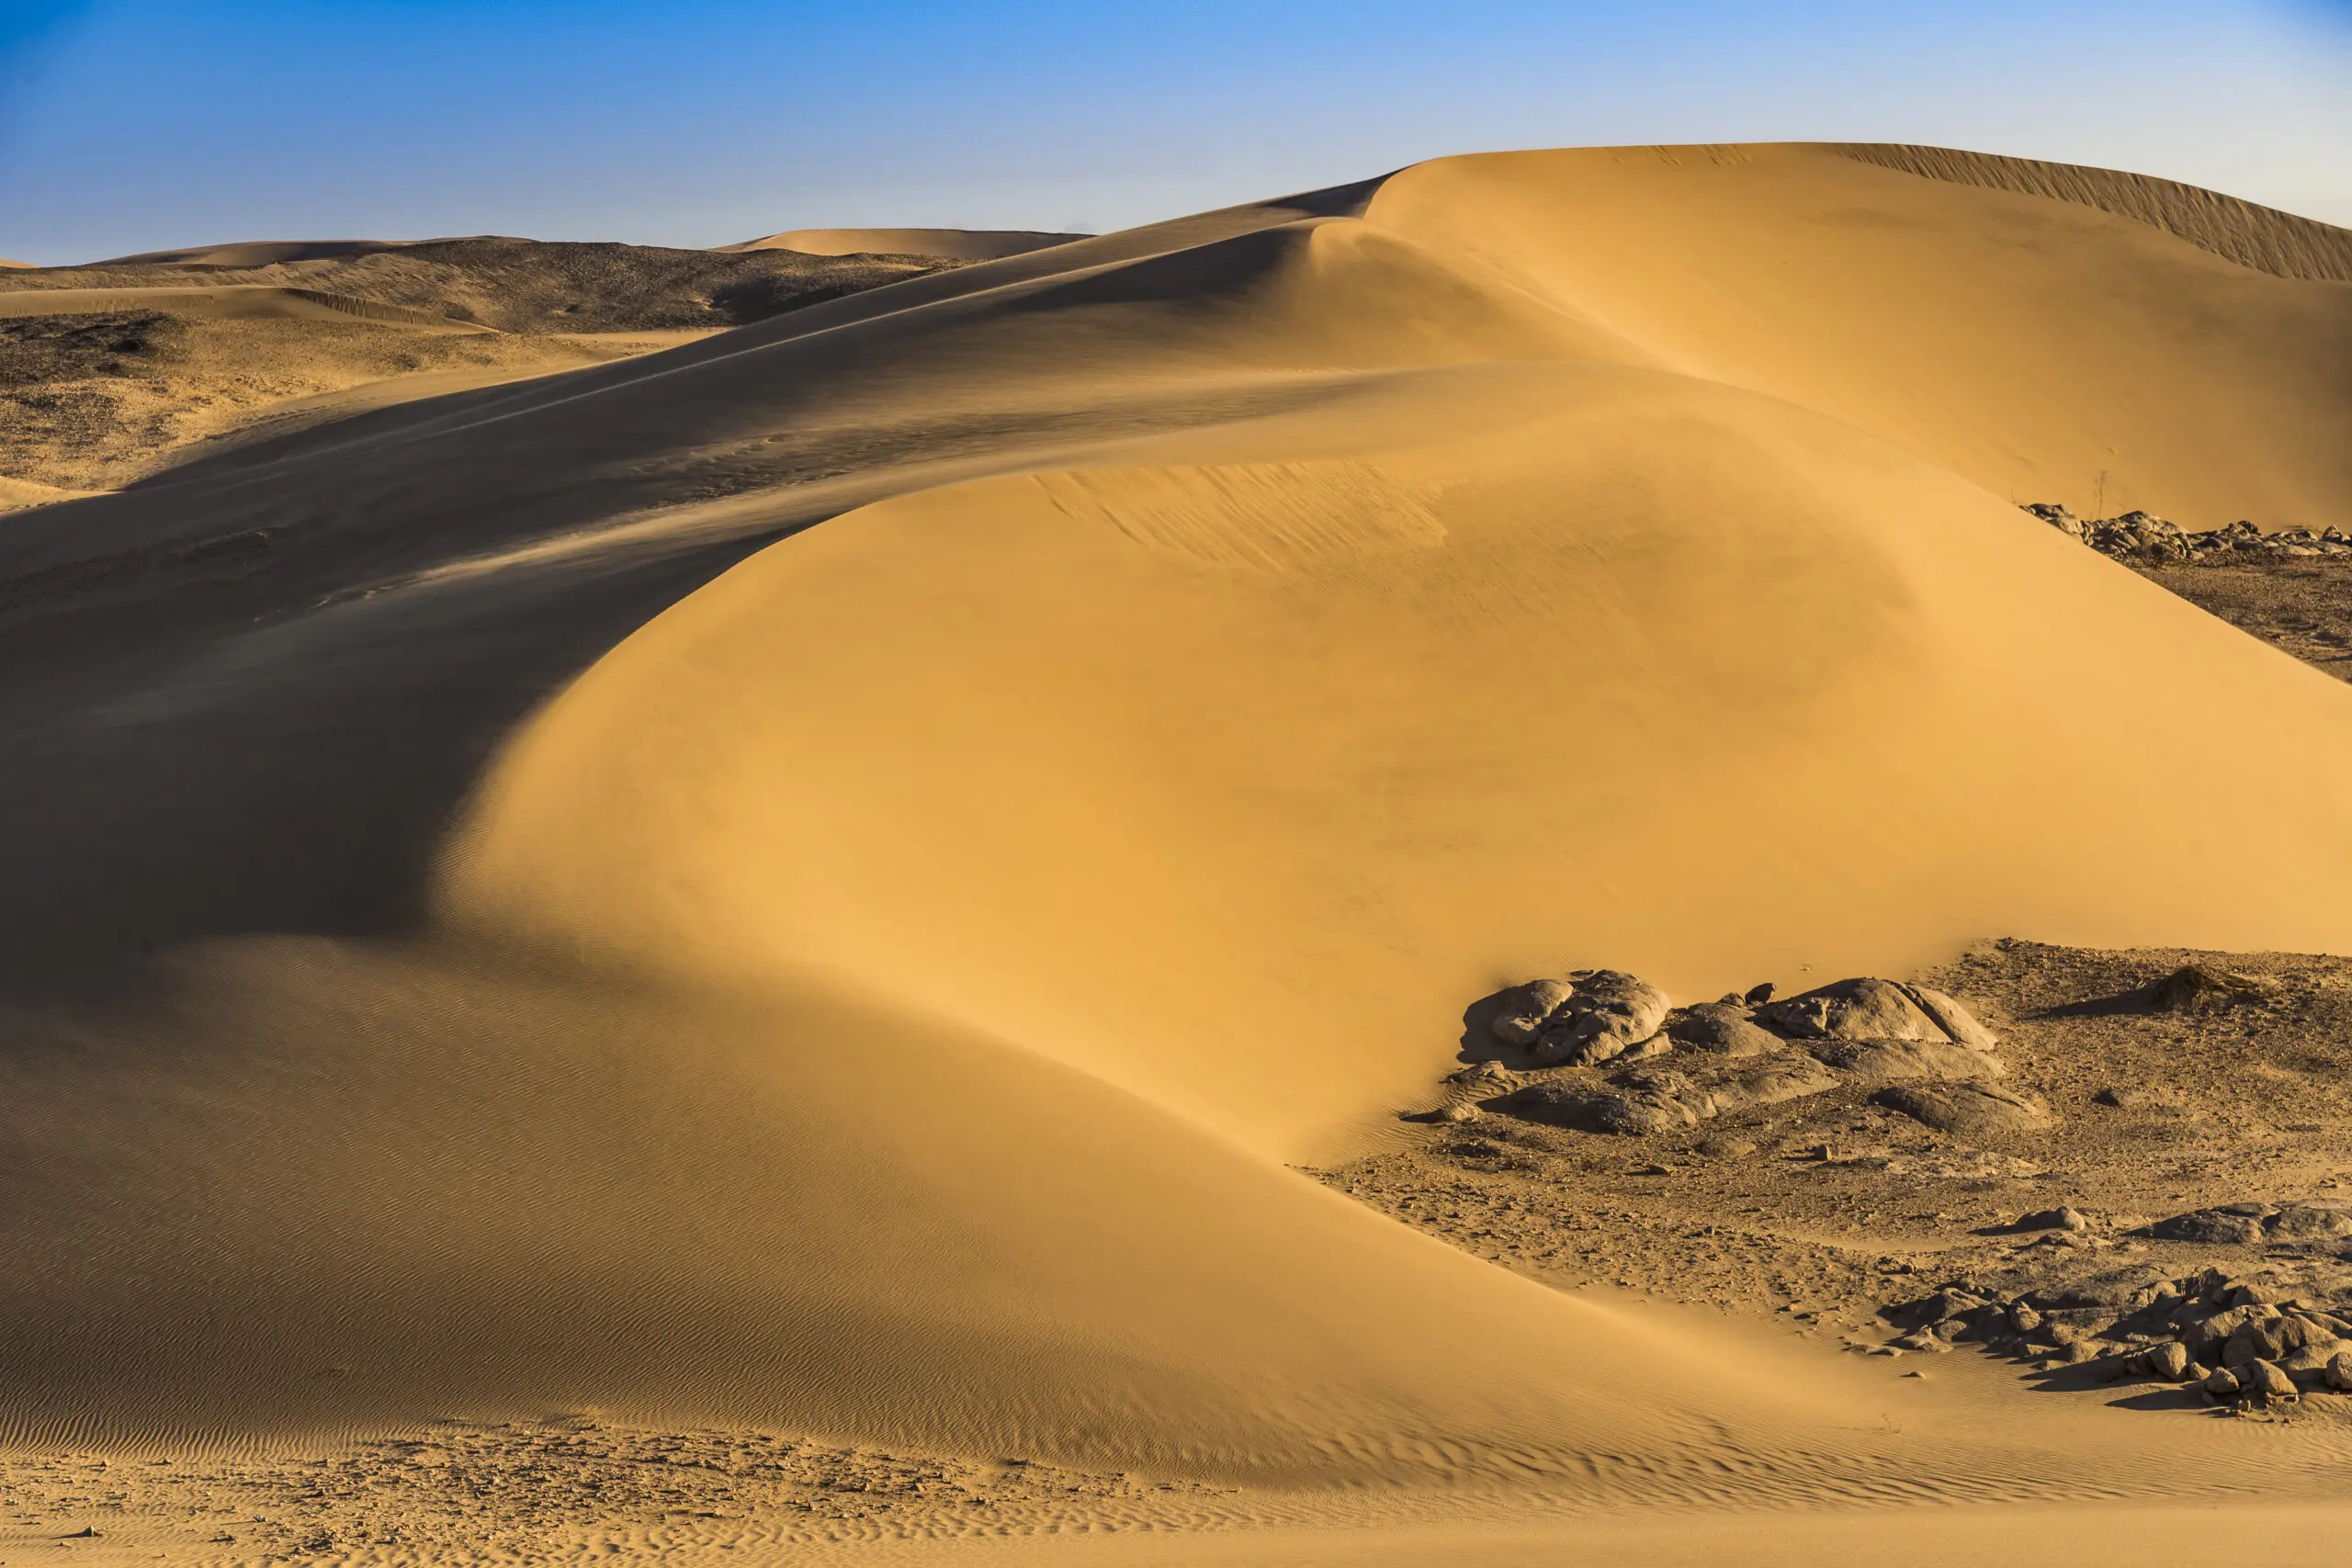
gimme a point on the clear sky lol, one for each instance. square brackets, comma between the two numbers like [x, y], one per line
[130, 124]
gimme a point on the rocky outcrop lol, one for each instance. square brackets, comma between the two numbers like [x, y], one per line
[1636, 1101]
[1871, 1008]
[1744, 1051]
[1591, 1015]
[1968, 1109]
[2259, 1225]
[2146, 537]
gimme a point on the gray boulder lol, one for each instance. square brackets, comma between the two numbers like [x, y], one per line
[2339, 1371]
[2257, 1225]
[1897, 1061]
[1863, 1008]
[1955, 1019]
[1526, 1009]
[1722, 1029]
[2265, 1379]
[1967, 1109]
[1607, 1012]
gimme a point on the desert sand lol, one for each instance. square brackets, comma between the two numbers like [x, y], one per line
[962, 244]
[824, 917]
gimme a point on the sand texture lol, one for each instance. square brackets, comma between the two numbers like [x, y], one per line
[818, 886]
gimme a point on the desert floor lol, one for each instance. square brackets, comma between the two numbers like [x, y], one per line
[856, 905]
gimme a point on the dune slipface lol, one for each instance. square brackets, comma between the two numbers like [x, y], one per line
[609, 941]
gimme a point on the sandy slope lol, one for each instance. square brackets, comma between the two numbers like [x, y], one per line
[877, 995]
[962, 245]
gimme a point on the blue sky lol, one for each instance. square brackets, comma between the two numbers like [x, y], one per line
[129, 125]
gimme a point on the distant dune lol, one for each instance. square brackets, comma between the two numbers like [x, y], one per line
[259, 252]
[820, 878]
[961, 244]
[6, 262]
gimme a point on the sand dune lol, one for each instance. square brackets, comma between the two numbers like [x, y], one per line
[6, 262]
[2259, 237]
[259, 252]
[816, 878]
[962, 244]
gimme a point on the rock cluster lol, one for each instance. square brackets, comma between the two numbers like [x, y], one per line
[1593, 1015]
[2234, 1340]
[1926, 1055]
[2144, 536]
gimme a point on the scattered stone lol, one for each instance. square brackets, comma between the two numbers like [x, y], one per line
[1967, 1109]
[2068, 1219]
[1483, 1075]
[1460, 1111]
[1725, 1148]
[2124, 1098]
[2196, 987]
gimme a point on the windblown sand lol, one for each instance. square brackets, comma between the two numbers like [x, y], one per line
[773, 921]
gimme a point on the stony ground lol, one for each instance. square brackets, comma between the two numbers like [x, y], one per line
[1833, 1210]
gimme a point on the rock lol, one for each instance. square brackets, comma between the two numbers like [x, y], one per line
[1757, 995]
[2308, 1221]
[1482, 1075]
[1775, 1081]
[2339, 1371]
[1897, 1061]
[2264, 1379]
[2194, 987]
[1460, 1111]
[1862, 1008]
[2053, 1220]
[1526, 1009]
[2255, 1224]
[2254, 1341]
[2169, 1360]
[1638, 1101]
[2221, 1384]
[2125, 1098]
[1967, 1109]
[1724, 1148]
[2233, 1224]
[2023, 1317]
[1724, 1029]
[1953, 1018]
[1631, 1113]
[1608, 1012]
